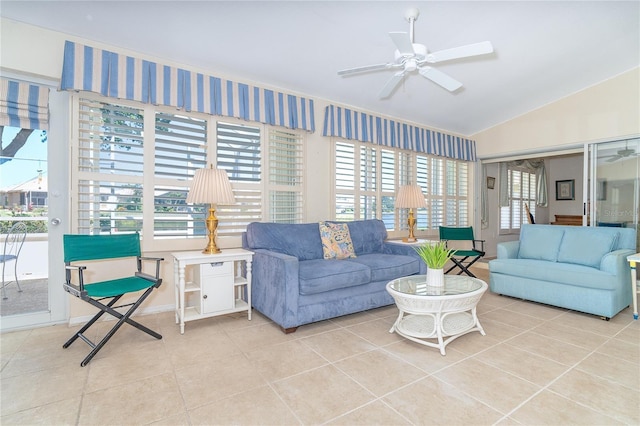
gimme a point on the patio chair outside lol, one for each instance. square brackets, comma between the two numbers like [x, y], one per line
[13, 242]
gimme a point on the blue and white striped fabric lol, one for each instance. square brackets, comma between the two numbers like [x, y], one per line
[350, 124]
[118, 76]
[24, 105]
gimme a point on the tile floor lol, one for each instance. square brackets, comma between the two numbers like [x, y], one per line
[536, 365]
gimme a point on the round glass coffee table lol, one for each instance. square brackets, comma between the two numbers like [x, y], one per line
[436, 312]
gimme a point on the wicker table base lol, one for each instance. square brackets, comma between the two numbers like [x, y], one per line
[440, 313]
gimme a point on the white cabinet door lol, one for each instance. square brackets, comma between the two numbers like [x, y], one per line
[216, 282]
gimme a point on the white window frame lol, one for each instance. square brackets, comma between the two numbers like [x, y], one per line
[148, 179]
[409, 167]
[519, 213]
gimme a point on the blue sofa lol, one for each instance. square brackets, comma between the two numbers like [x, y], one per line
[574, 267]
[293, 284]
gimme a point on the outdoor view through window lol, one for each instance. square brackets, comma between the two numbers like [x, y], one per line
[23, 206]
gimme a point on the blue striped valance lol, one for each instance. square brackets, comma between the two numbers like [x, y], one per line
[24, 105]
[119, 76]
[350, 124]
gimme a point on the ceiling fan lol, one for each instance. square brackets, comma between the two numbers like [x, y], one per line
[621, 153]
[410, 57]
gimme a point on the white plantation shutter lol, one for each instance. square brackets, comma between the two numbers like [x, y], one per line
[457, 182]
[238, 151]
[445, 184]
[345, 159]
[368, 193]
[521, 189]
[180, 146]
[388, 188]
[422, 180]
[121, 146]
[435, 193]
[179, 150]
[286, 172]
[109, 160]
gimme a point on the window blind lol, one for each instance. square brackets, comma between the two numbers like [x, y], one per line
[238, 152]
[24, 105]
[286, 171]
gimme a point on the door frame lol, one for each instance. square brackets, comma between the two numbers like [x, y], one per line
[58, 208]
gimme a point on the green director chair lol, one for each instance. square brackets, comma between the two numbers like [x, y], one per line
[80, 248]
[468, 249]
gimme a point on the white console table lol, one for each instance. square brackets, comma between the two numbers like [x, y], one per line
[219, 284]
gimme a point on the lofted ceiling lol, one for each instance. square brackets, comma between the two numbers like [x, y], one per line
[543, 50]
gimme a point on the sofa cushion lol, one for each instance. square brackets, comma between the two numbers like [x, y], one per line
[301, 240]
[540, 242]
[387, 267]
[336, 241]
[555, 272]
[586, 246]
[320, 275]
[368, 236]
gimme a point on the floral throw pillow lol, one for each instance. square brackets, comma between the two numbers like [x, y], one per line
[336, 241]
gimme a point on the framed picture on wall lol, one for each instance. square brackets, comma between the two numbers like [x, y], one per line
[566, 189]
[491, 182]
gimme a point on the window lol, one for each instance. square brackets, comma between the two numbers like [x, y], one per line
[521, 187]
[286, 174]
[134, 165]
[382, 171]
[179, 150]
[109, 161]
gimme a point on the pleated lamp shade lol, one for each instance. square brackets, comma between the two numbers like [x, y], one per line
[410, 197]
[211, 186]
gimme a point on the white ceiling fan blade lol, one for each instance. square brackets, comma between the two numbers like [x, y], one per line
[440, 78]
[392, 83]
[402, 42]
[366, 68]
[460, 52]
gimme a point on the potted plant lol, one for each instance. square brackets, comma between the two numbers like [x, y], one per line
[435, 255]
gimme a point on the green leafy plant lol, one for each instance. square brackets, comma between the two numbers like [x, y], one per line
[435, 255]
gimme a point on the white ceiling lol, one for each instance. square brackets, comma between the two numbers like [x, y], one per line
[543, 50]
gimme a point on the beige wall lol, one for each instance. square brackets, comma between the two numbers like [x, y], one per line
[608, 110]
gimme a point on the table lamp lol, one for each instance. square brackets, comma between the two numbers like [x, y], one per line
[410, 197]
[211, 186]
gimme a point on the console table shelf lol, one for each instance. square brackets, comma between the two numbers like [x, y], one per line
[220, 284]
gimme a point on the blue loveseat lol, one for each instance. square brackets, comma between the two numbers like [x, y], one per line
[574, 267]
[293, 284]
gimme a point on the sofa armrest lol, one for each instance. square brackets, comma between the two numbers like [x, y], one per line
[390, 247]
[616, 263]
[275, 286]
[508, 250]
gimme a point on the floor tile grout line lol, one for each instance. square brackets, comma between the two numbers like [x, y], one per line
[567, 371]
[291, 410]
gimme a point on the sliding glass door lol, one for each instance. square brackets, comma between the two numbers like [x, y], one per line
[612, 186]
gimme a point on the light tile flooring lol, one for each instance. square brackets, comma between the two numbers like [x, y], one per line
[536, 365]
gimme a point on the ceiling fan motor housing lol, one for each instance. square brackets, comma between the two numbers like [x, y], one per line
[411, 62]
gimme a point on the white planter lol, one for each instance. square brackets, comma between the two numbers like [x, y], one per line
[435, 277]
